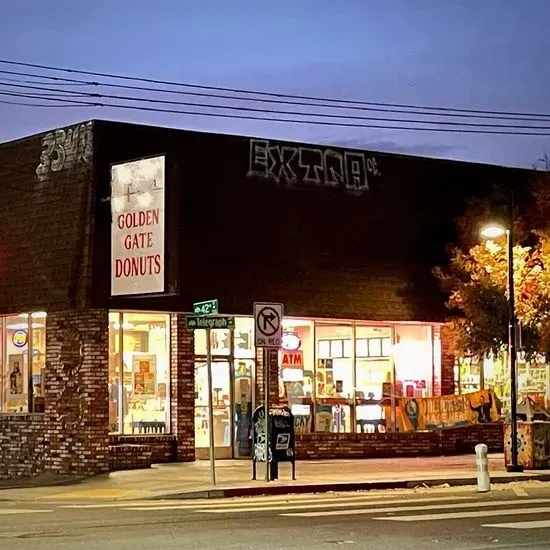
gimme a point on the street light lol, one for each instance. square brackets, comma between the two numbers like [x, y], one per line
[494, 232]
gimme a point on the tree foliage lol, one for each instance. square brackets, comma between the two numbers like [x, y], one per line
[476, 277]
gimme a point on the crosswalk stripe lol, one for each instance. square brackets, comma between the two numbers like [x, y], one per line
[521, 524]
[335, 503]
[244, 501]
[363, 511]
[11, 511]
[253, 504]
[463, 515]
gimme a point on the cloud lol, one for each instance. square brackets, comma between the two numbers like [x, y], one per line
[390, 146]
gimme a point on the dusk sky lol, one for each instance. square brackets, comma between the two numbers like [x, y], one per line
[474, 54]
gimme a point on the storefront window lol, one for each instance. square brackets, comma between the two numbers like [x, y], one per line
[296, 371]
[220, 342]
[493, 373]
[413, 360]
[334, 377]
[139, 378]
[373, 366]
[22, 362]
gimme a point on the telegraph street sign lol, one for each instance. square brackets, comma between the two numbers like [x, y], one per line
[268, 324]
[210, 307]
[219, 322]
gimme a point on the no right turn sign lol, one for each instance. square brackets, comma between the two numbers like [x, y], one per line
[268, 324]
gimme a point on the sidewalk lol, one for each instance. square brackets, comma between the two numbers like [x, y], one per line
[192, 480]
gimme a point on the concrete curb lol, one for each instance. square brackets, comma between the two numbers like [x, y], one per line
[34, 483]
[272, 490]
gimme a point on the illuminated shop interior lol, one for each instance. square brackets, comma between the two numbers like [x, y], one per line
[493, 373]
[22, 362]
[335, 377]
[139, 377]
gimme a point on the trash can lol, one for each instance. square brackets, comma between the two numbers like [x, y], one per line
[533, 444]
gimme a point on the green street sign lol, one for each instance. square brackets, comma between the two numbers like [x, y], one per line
[209, 307]
[198, 322]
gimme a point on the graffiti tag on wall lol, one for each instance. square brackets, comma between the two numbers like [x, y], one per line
[65, 148]
[290, 165]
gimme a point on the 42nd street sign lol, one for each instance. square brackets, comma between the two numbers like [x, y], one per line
[209, 307]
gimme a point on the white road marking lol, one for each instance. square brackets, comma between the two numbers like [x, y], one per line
[253, 505]
[520, 492]
[542, 524]
[11, 511]
[483, 504]
[334, 504]
[463, 515]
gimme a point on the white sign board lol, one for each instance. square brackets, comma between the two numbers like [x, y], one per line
[137, 227]
[268, 324]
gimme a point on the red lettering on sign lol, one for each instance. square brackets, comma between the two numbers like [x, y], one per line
[139, 266]
[142, 218]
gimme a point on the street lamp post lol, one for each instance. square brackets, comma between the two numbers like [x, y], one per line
[491, 232]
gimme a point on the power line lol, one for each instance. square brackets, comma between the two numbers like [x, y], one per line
[23, 104]
[315, 114]
[265, 94]
[97, 84]
[293, 121]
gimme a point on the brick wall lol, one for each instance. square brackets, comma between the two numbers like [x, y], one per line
[261, 357]
[371, 445]
[22, 445]
[76, 392]
[163, 447]
[326, 251]
[182, 388]
[46, 197]
[463, 440]
[447, 363]
[129, 456]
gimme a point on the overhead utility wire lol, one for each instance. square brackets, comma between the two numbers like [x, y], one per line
[23, 104]
[294, 121]
[78, 82]
[266, 94]
[94, 95]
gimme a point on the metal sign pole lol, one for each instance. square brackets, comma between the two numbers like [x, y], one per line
[210, 409]
[267, 360]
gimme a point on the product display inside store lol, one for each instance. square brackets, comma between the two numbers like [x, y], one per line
[22, 362]
[493, 373]
[139, 376]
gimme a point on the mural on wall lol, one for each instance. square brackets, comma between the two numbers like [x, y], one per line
[289, 165]
[71, 357]
[64, 148]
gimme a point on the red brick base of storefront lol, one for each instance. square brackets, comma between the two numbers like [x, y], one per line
[450, 441]
[130, 452]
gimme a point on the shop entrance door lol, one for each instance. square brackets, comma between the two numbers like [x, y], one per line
[222, 403]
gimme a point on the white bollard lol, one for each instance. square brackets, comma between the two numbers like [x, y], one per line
[482, 466]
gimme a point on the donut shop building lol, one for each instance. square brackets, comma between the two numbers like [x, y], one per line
[111, 231]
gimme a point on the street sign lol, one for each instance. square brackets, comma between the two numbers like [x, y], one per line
[268, 324]
[220, 322]
[209, 307]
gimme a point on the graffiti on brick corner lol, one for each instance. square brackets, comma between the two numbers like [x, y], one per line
[65, 148]
[70, 403]
[289, 165]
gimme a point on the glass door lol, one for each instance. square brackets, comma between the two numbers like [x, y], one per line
[243, 382]
[221, 399]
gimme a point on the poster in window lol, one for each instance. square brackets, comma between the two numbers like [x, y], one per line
[144, 377]
[16, 374]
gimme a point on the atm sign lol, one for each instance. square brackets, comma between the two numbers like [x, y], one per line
[293, 359]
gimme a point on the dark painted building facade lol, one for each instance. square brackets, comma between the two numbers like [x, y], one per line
[345, 239]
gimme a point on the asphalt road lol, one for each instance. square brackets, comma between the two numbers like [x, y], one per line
[511, 519]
